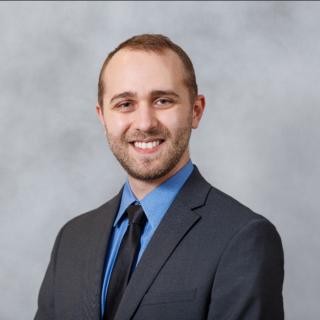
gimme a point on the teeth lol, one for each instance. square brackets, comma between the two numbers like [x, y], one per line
[146, 145]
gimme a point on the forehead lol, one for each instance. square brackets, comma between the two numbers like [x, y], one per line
[143, 71]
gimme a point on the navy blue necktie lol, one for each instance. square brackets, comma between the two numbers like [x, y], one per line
[126, 257]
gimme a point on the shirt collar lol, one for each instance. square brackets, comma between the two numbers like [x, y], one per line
[156, 203]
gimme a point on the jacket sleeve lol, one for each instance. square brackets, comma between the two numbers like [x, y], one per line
[249, 278]
[46, 294]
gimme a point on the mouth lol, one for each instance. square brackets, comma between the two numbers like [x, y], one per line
[147, 146]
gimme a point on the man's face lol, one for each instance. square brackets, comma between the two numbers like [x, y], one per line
[147, 112]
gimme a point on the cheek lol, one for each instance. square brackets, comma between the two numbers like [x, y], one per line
[116, 125]
[175, 119]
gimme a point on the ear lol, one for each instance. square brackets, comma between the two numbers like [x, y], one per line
[99, 111]
[198, 109]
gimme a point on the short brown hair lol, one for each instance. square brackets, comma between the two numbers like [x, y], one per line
[155, 43]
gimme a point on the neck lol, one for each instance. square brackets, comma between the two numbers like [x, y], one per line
[141, 188]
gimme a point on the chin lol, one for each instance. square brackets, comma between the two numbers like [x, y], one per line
[148, 174]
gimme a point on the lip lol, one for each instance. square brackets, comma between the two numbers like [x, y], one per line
[147, 140]
[147, 150]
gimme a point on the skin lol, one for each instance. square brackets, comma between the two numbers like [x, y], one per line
[146, 100]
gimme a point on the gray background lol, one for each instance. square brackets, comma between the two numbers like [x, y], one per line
[256, 62]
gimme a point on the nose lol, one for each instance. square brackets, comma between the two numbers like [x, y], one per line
[145, 118]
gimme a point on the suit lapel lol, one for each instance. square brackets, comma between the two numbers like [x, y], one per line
[100, 242]
[177, 222]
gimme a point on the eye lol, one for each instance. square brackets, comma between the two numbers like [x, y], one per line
[124, 106]
[164, 102]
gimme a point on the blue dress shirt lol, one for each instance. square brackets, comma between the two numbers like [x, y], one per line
[155, 204]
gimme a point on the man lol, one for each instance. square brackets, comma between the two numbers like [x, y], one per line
[169, 245]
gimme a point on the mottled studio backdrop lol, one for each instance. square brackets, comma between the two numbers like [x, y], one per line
[258, 63]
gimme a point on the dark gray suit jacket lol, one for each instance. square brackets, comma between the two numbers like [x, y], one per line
[210, 258]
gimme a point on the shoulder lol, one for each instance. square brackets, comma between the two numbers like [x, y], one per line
[88, 222]
[230, 218]
[240, 223]
[239, 231]
[218, 209]
[231, 209]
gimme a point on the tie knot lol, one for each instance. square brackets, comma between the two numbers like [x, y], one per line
[136, 215]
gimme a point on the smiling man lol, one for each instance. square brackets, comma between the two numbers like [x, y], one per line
[169, 245]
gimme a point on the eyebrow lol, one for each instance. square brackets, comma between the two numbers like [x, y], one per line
[157, 93]
[126, 94]
[154, 93]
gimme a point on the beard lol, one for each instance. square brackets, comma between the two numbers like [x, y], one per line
[150, 167]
